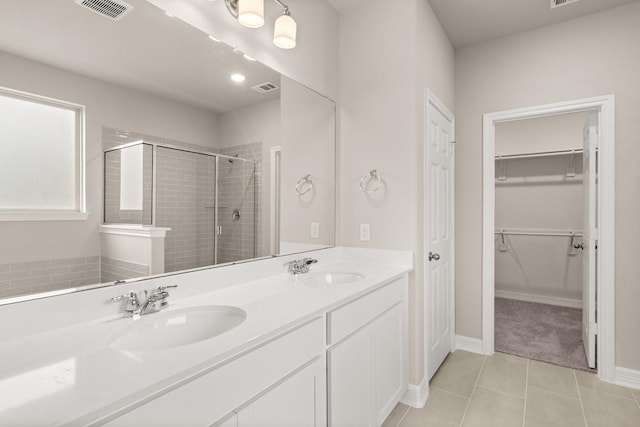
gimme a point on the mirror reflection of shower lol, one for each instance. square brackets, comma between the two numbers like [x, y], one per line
[207, 200]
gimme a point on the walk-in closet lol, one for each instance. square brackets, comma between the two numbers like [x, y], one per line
[542, 196]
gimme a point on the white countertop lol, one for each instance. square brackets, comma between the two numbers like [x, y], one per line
[69, 375]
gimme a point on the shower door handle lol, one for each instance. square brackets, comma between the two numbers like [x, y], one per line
[219, 230]
[433, 256]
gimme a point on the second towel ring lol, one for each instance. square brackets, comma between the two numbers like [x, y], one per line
[301, 182]
[371, 177]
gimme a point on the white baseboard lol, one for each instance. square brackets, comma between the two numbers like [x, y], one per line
[473, 345]
[627, 377]
[542, 299]
[416, 395]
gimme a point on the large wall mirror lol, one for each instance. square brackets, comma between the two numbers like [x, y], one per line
[194, 154]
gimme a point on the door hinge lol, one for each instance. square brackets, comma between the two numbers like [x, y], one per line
[594, 328]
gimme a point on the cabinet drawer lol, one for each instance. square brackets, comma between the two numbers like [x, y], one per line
[348, 318]
[215, 394]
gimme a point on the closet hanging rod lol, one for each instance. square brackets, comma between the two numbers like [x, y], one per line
[539, 154]
[538, 233]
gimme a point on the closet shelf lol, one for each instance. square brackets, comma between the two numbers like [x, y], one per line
[539, 154]
[515, 232]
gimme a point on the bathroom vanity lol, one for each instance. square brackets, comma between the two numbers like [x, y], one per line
[328, 347]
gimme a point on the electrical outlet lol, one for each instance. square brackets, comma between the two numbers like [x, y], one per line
[315, 230]
[365, 232]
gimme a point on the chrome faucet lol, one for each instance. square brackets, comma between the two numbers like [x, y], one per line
[300, 266]
[152, 303]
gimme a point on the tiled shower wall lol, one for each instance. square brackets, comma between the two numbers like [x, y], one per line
[186, 196]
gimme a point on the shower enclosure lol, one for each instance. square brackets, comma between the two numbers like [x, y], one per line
[207, 200]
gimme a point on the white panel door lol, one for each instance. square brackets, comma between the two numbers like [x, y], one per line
[438, 235]
[590, 239]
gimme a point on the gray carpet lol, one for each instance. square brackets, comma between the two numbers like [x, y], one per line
[542, 332]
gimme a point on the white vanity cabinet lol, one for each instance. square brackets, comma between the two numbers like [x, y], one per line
[367, 357]
[299, 401]
[282, 380]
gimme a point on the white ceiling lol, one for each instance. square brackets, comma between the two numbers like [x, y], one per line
[468, 22]
[146, 50]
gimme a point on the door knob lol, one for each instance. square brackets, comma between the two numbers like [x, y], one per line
[433, 256]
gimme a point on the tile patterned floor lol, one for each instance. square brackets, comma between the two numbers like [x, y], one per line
[472, 390]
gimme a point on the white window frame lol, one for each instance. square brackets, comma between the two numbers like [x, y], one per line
[80, 211]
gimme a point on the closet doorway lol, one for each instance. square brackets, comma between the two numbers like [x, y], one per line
[545, 213]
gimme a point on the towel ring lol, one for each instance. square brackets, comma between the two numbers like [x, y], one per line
[370, 177]
[305, 179]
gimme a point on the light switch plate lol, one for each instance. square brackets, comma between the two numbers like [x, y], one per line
[365, 232]
[315, 230]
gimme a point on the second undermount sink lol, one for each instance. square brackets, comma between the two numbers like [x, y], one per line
[176, 328]
[322, 278]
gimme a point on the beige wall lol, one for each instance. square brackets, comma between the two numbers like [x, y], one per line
[106, 105]
[308, 148]
[593, 55]
[314, 60]
[383, 75]
[537, 194]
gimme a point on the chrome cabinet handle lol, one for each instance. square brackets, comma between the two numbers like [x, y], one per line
[433, 256]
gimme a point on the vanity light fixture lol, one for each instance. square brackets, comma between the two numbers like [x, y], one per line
[250, 13]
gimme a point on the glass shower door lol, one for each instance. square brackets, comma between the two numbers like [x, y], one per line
[237, 213]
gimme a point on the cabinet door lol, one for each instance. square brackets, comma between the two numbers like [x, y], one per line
[390, 364]
[299, 401]
[351, 382]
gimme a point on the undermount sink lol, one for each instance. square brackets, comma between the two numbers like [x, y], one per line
[321, 278]
[176, 327]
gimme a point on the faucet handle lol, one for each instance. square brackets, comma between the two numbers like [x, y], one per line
[132, 296]
[164, 288]
[132, 301]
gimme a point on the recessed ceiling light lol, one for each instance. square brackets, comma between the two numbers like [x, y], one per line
[214, 39]
[238, 78]
[248, 58]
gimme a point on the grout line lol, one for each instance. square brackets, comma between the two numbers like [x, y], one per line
[635, 398]
[526, 390]
[473, 392]
[502, 392]
[404, 416]
[450, 392]
[555, 393]
[584, 415]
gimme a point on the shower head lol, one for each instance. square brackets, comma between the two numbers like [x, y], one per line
[232, 160]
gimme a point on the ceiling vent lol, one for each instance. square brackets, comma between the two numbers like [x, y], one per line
[558, 3]
[112, 9]
[265, 87]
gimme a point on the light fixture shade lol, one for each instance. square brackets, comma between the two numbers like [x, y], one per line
[284, 35]
[251, 13]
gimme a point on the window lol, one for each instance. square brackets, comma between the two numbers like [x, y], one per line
[41, 158]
